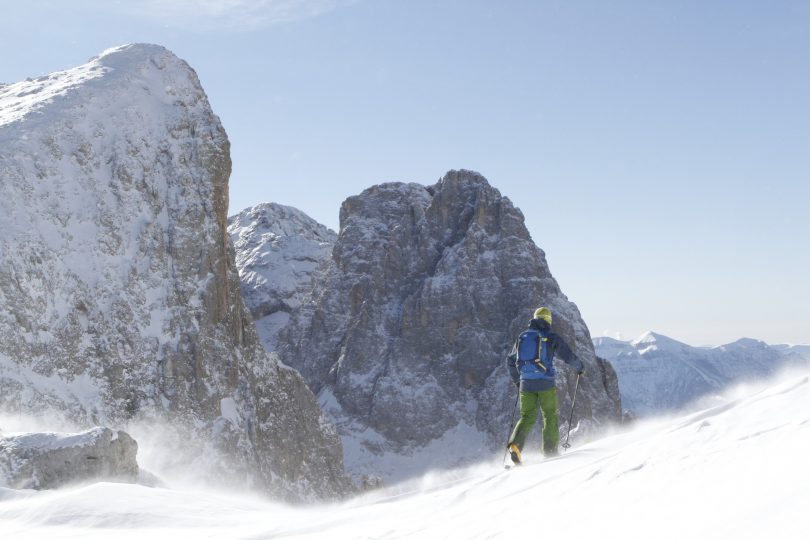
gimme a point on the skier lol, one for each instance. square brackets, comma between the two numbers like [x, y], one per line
[531, 366]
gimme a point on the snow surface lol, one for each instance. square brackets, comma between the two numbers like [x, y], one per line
[736, 470]
[278, 249]
[47, 441]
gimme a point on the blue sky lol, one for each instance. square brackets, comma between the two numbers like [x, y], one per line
[660, 150]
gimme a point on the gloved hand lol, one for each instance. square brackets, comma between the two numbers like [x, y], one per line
[581, 372]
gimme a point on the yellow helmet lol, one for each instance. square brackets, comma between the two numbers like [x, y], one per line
[543, 313]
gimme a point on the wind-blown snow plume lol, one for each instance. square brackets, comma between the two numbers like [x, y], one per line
[735, 470]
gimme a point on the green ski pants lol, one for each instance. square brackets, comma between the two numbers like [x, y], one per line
[529, 401]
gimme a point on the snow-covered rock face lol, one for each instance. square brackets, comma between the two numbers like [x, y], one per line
[52, 460]
[406, 335]
[278, 250]
[659, 374]
[119, 298]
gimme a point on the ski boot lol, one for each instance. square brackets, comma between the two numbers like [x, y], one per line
[514, 454]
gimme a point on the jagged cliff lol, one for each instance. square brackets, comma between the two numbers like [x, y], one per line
[119, 297]
[405, 336]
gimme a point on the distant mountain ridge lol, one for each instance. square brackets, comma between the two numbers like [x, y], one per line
[800, 351]
[659, 374]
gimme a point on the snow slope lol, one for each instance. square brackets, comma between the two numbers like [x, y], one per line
[736, 470]
[278, 251]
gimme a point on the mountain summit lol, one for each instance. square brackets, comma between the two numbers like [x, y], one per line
[405, 337]
[278, 251]
[651, 341]
[119, 297]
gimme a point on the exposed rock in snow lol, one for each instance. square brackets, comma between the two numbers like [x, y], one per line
[119, 297]
[658, 374]
[52, 460]
[278, 250]
[405, 337]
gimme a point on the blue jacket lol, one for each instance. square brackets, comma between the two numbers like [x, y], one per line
[531, 362]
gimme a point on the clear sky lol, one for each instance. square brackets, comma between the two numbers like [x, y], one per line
[660, 150]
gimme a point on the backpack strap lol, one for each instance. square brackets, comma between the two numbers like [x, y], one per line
[536, 362]
[539, 342]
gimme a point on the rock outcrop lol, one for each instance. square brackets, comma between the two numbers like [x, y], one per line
[278, 251]
[119, 297]
[53, 460]
[405, 337]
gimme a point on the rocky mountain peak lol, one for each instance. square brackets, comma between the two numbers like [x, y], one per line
[278, 251]
[162, 76]
[745, 344]
[119, 295]
[276, 223]
[651, 342]
[406, 335]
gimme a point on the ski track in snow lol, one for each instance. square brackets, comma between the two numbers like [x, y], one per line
[737, 470]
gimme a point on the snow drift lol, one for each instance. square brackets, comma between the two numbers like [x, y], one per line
[737, 470]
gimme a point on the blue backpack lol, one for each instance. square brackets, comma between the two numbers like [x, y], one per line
[533, 356]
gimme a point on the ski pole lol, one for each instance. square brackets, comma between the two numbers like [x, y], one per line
[511, 425]
[571, 416]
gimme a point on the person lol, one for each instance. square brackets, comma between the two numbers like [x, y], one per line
[531, 366]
